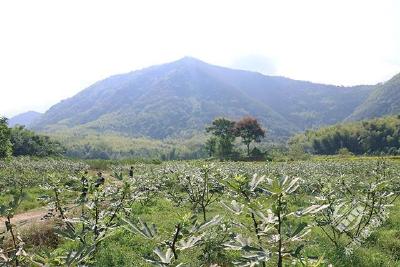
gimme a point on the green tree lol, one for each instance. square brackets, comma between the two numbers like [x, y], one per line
[223, 130]
[5, 143]
[211, 145]
[249, 130]
[27, 142]
[373, 137]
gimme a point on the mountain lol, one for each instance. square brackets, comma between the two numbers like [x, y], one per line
[26, 118]
[178, 99]
[384, 100]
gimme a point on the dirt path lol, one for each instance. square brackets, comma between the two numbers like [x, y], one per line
[33, 215]
[23, 218]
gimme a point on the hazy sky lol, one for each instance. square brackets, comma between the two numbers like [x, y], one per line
[50, 50]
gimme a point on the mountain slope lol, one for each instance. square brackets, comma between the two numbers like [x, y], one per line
[384, 100]
[305, 104]
[26, 118]
[178, 99]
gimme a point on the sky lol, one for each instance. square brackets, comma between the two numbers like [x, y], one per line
[51, 50]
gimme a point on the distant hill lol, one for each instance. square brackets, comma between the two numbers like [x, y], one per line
[26, 118]
[177, 100]
[384, 100]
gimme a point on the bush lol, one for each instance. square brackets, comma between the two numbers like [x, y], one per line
[344, 152]
[5, 144]
[296, 152]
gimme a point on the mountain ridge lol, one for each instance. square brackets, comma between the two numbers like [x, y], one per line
[179, 98]
[384, 100]
[25, 118]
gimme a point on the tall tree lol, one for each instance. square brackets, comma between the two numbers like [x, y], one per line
[223, 129]
[249, 130]
[5, 134]
[211, 145]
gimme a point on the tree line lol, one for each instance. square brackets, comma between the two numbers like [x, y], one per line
[225, 131]
[19, 141]
[372, 137]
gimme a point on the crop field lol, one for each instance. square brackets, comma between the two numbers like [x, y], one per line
[323, 212]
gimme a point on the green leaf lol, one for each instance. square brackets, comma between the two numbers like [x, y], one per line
[142, 229]
[300, 227]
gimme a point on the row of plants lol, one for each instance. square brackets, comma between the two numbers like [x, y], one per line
[224, 214]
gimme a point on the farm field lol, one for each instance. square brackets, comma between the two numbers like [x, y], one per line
[200, 213]
[200, 133]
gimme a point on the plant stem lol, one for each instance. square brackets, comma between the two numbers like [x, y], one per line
[10, 228]
[279, 231]
[173, 248]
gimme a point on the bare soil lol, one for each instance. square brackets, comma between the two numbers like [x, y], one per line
[25, 217]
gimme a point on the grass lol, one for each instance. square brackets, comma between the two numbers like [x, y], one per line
[128, 249]
[30, 200]
[382, 248]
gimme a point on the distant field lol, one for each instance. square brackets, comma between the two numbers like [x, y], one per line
[359, 158]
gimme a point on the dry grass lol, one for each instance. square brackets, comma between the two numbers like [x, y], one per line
[38, 234]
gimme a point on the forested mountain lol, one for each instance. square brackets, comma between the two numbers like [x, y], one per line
[384, 100]
[26, 118]
[178, 99]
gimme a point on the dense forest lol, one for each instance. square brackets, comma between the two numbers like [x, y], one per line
[18, 141]
[372, 137]
[222, 138]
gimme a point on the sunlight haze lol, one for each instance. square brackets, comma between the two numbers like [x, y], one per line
[51, 50]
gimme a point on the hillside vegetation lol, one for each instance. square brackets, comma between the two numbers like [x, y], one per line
[177, 100]
[373, 137]
[383, 101]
